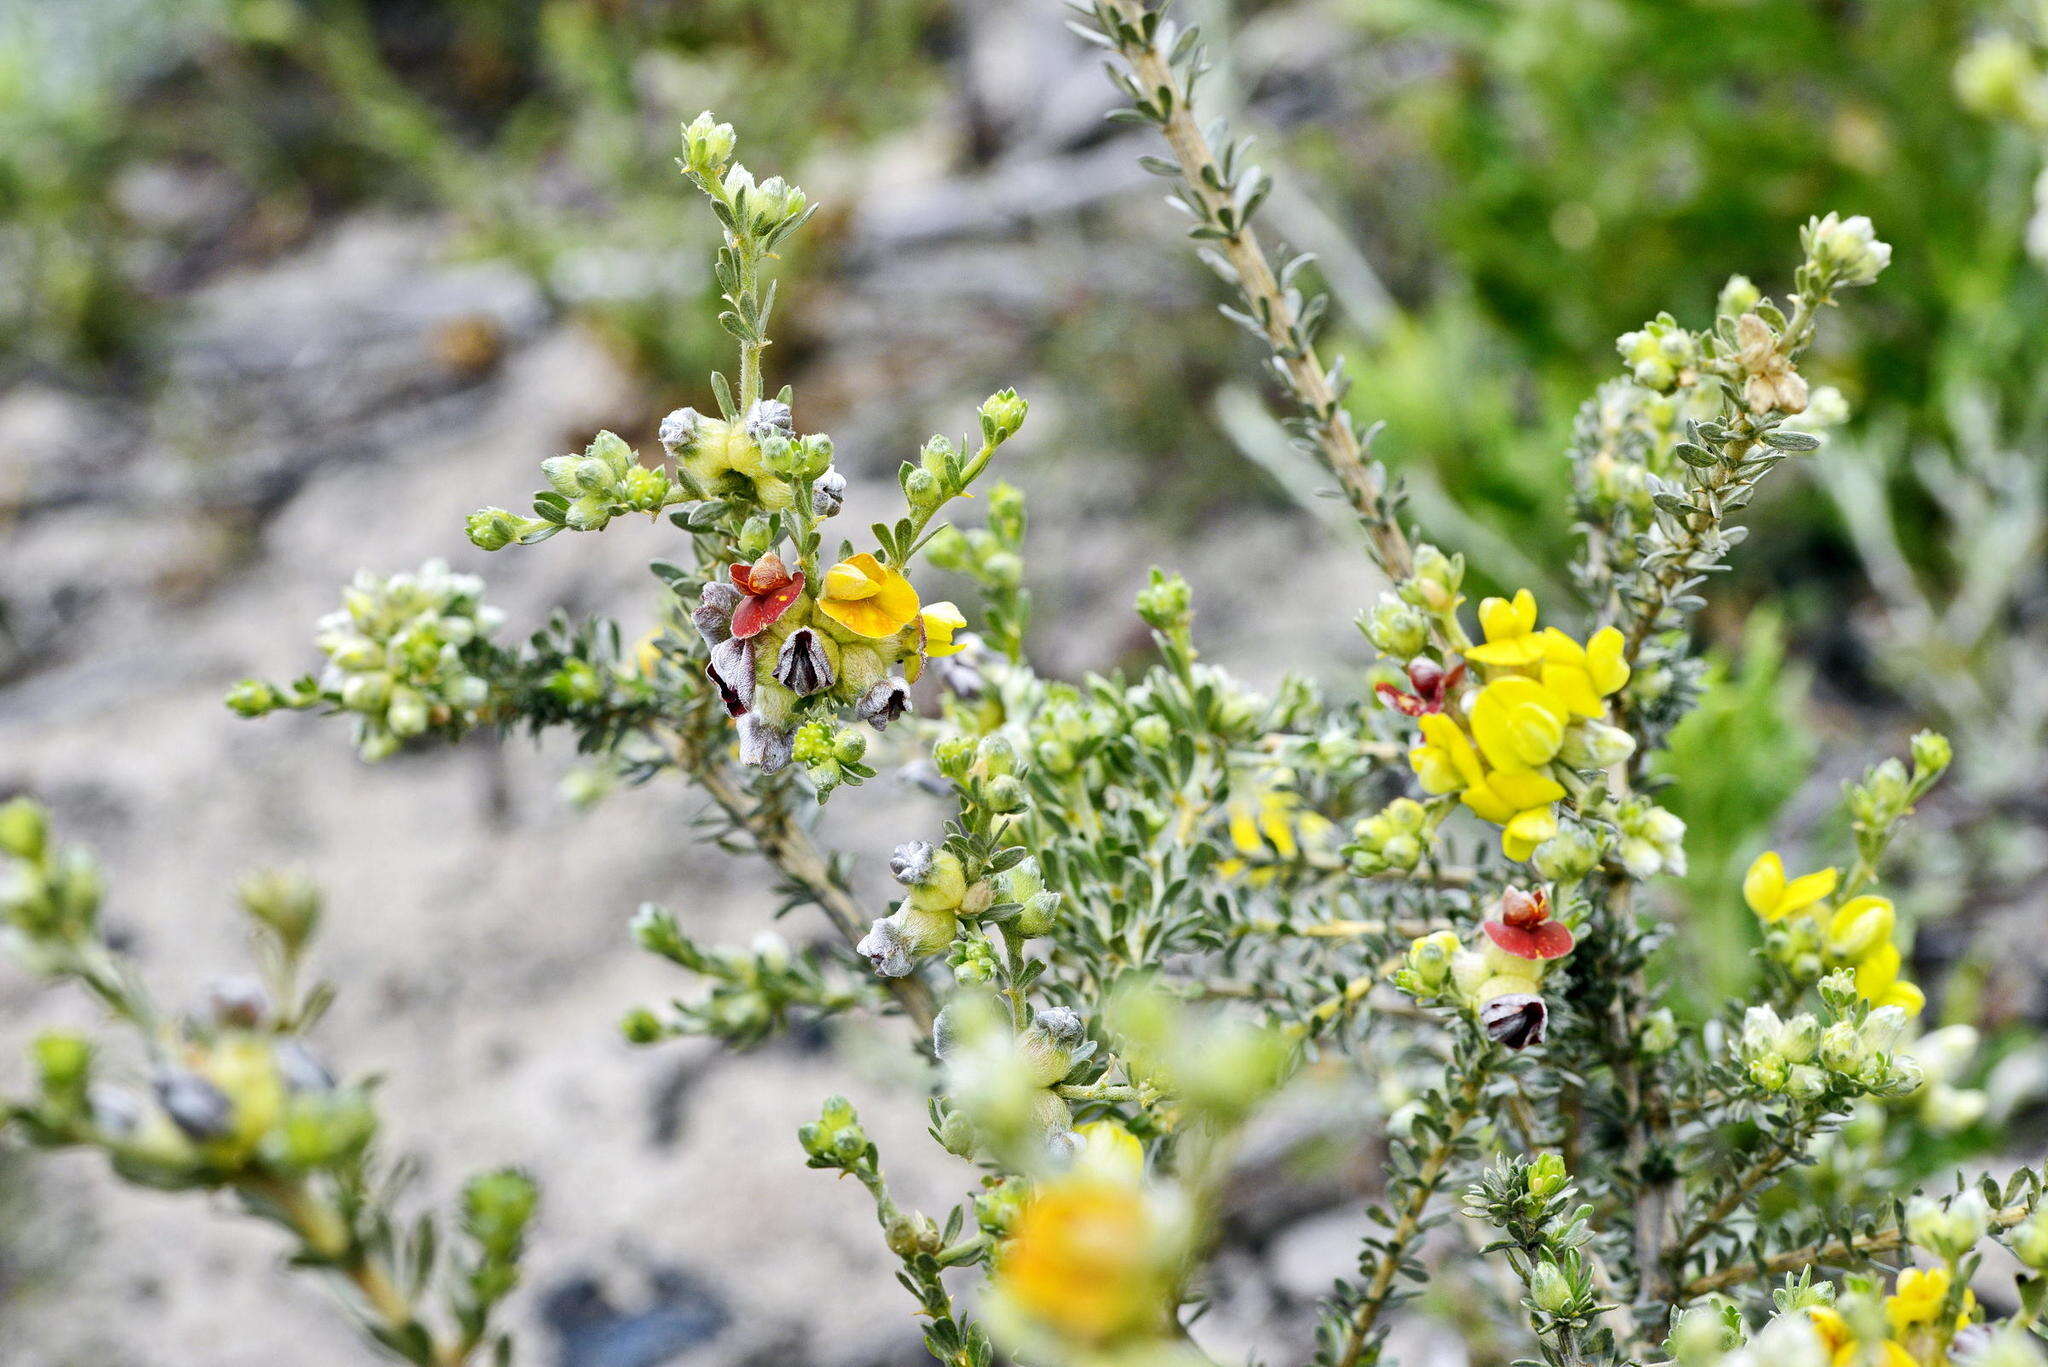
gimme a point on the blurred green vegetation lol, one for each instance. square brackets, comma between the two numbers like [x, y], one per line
[1556, 171]
[546, 127]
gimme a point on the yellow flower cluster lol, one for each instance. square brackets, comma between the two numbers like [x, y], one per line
[1856, 935]
[1270, 829]
[1538, 683]
[1910, 1314]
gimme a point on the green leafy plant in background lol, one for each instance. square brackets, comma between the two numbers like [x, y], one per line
[1732, 766]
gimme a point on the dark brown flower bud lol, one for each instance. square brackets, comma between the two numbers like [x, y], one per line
[1516, 1020]
[803, 667]
[713, 614]
[884, 703]
[732, 671]
[764, 745]
[195, 1105]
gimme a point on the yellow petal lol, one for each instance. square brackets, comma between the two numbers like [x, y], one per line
[1497, 619]
[1764, 885]
[1803, 891]
[1526, 788]
[1244, 831]
[846, 583]
[1488, 805]
[1878, 972]
[1859, 925]
[941, 620]
[1605, 660]
[1434, 770]
[1511, 653]
[1445, 734]
[1560, 649]
[1574, 688]
[1520, 837]
[1905, 996]
[1518, 723]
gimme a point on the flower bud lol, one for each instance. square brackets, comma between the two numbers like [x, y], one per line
[883, 703]
[496, 1209]
[1737, 297]
[492, 529]
[708, 145]
[1570, 855]
[1428, 962]
[1931, 755]
[1002, 413]
[1549, 1289]
[1595, 745]
[2029, 1240]
[1516, 1020]
[1547, 1176]
[197, 1107]
[25, 829]
[288, 904]
[1152, 731]
[1951, 1231]
[1396, 629]
[828, 494]
[1847, 249]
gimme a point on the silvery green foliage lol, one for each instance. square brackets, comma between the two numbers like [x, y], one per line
[1160, 893]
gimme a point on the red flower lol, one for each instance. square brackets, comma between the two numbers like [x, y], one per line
[770, 588]
[1525, 929]
[1432, 684]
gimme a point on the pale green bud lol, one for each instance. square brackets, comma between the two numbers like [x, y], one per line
[1738, 297]
[708, 144]
[2029, 1240]
[1002, 413]
[1547, 1176]
[1948, 1232]
[1596, 745]
[1931, 755]
[1153, 732]
[24, 829]
[1570, 855]
[1847, 249]
[1396, 629]
[1549, 1288]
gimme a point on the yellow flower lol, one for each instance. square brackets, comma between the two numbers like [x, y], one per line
[1510, 629]
[1878, 981]
[1917, 1298]
[868, 598]
[1110, 1151]
[1518, 723]
[1445, 761]
[1772, 898]
[1860, 926]
[1835, 1335]
[1581, 675]
[941, 620]
[1278, 822]
[1083, 1260]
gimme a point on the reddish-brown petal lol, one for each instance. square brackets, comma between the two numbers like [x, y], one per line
[1519, 908]
[1426, 674]
[1548, 940]
[1404, 703]
[760, 610]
